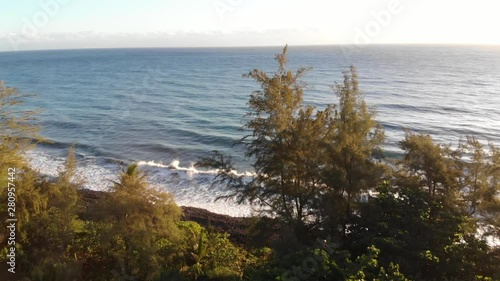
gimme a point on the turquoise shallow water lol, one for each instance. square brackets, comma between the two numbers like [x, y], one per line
[160, 105]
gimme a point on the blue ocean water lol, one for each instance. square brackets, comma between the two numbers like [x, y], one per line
[166, 108]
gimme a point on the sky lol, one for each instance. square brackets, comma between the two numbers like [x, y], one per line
[70, 24]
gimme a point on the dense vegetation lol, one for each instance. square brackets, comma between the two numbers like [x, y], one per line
[341, 210]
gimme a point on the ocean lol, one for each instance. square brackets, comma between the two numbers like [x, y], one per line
[166, 108]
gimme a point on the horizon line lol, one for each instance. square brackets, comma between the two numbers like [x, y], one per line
[259, 46]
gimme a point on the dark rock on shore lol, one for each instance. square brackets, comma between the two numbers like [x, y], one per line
[238, 228]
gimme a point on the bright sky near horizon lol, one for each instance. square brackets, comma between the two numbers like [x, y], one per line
[63, 24]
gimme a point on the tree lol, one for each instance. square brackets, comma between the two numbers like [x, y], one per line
[310, 165]
[432, 165]
[283, 145]
[491, 203]
[210, 254]
[427, 240]
[352, 144]
[46, 210]
[481, 180]
[322, 261]
[422, 219]
[464, 180]
[16, 136]
[51, 230]
[133, 229]
[17, 131]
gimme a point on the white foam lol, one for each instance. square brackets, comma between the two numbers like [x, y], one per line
[175, 165]
[95, 176]
[482, 232]
[193, 187]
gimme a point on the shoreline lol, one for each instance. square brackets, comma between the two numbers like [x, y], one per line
[190, 187]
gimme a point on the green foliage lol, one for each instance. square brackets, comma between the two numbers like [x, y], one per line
[324, 262]
[135, 227]
[481, 180]
[16, 128]
[210, 254]
[281, 130]
[430, 166]
[312, 166]
[353, 142]
[413, 227]
[47, 219]
[464, 180]
[16, 136]
[309, 163]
